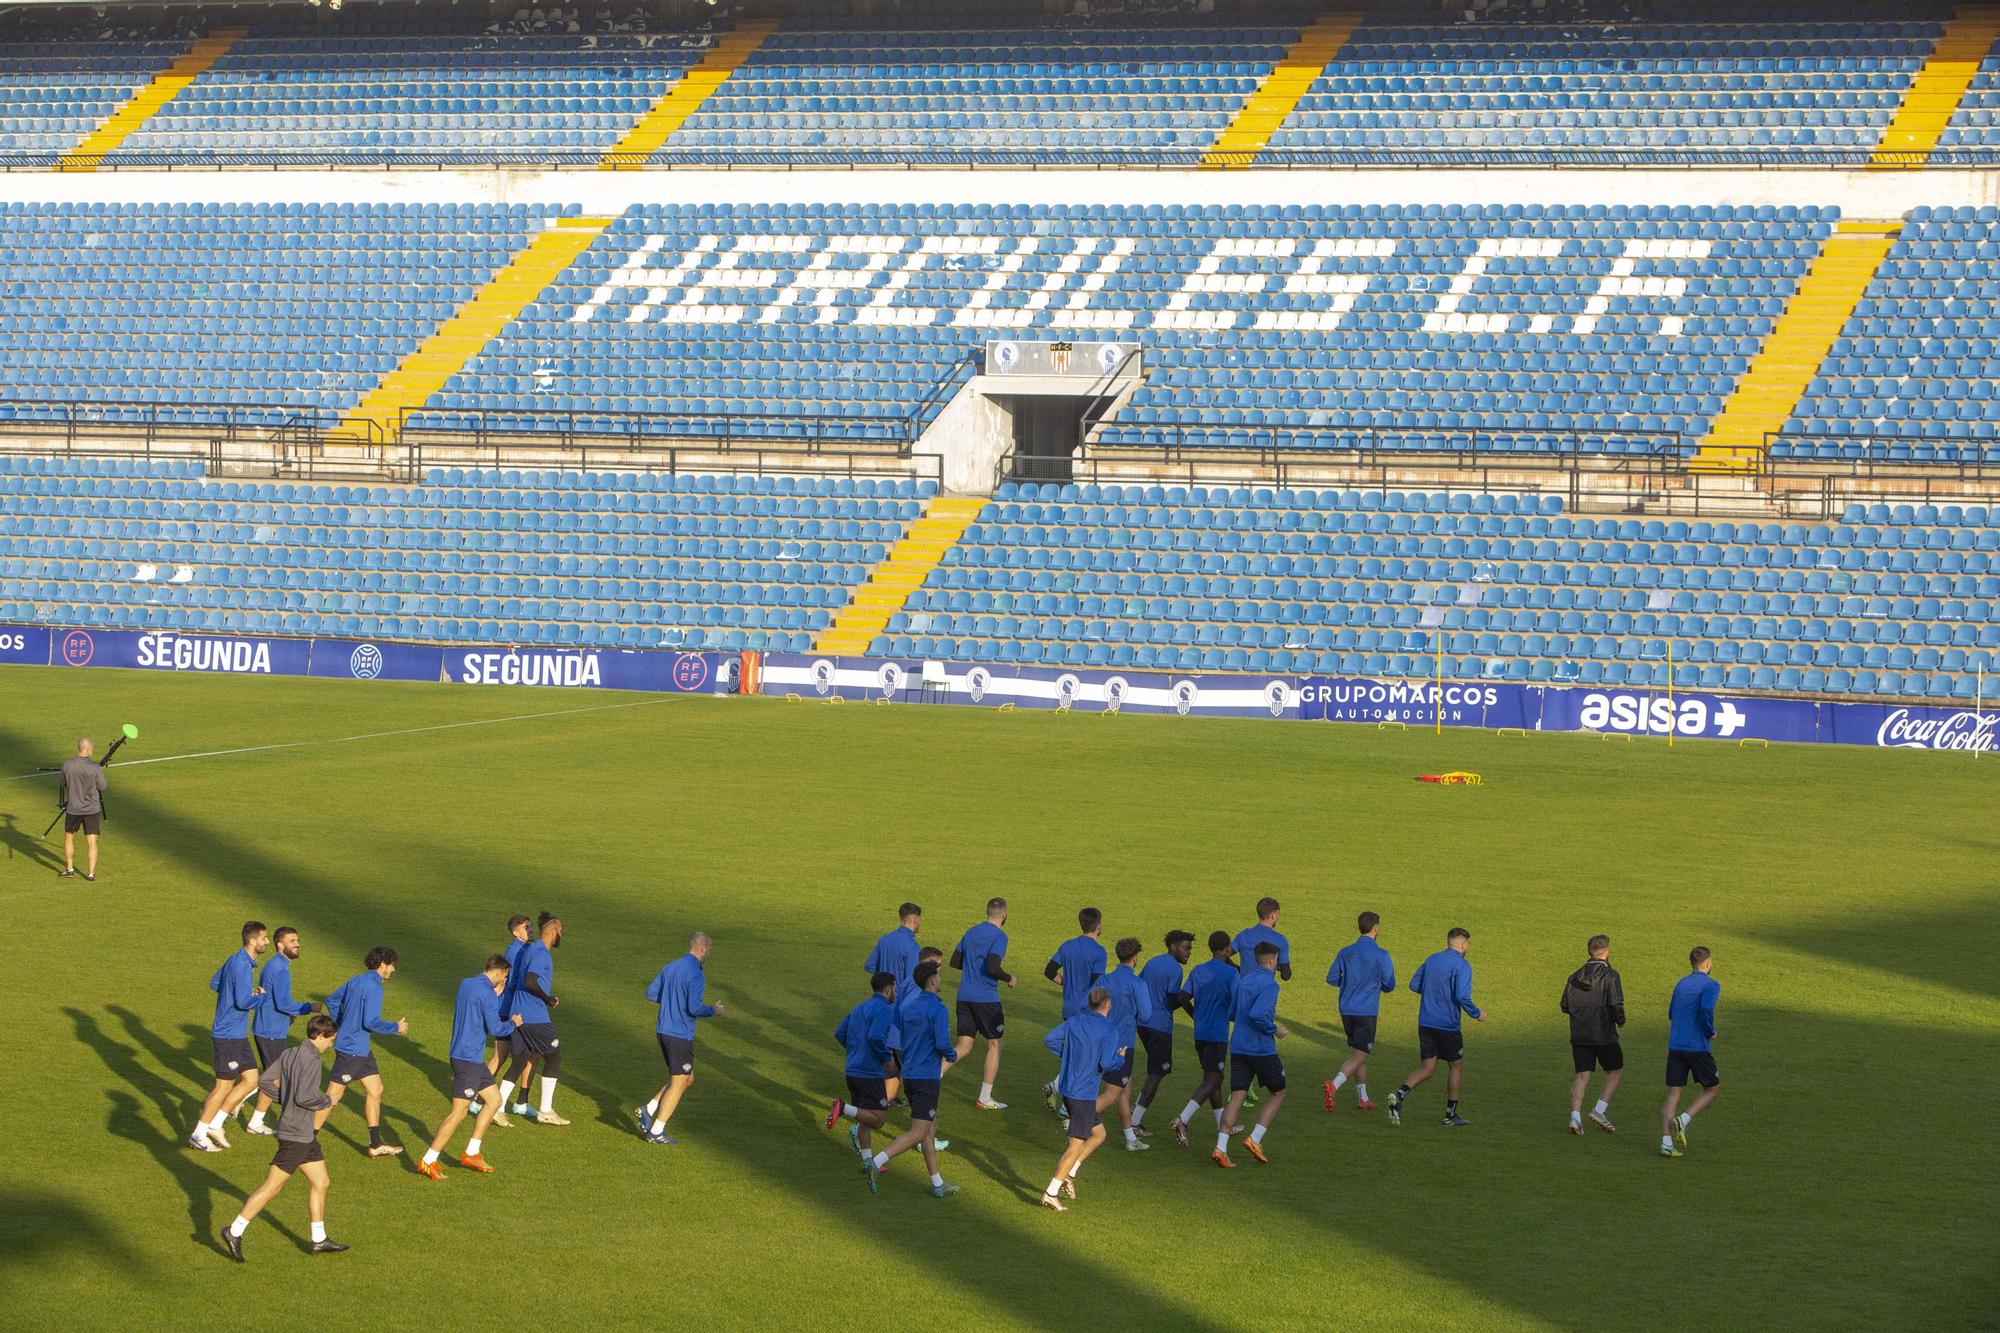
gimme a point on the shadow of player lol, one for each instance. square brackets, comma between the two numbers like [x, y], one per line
[20, 842]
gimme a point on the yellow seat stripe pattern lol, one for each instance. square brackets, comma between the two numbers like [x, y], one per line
[1280, 91]
[685, 97]
[103, 141]
[1935, 92]
[902, 571]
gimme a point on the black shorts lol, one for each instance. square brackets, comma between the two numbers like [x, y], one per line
[1082, 1116]
[291, 1156]
[1159, 1051]
[469, 1078]
[923, 1095]
[678, 1052]
[268, 1050]
[870, 1094]
[1440, 1044]
[1360, 1031]
[88, 823]
[1607, 1055]
[981, 1018]
[352, 1068]
[1212, 1056]
[1268, 1070]
[233, 1056]
[535, 1039]
[1121, 1077]
[1701, 1064]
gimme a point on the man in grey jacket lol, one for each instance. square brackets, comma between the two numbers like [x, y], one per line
[293, 1082]
[83, 807]
[1594, 999]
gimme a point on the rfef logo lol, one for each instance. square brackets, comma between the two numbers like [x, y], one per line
[690, 672]
[77, 648]
[365, 662]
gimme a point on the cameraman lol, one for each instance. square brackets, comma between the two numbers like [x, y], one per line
[83, 808]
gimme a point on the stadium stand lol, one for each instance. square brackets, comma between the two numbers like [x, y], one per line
[472, 556]
[53, 93]
[1911, 376]
[1901, 601]
[1642, 89]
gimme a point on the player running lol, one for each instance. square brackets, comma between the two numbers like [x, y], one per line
[475, 1016]
[979, 1013]
[237, 996]
[1162, 976]
[1210, 988]
[294, 1084]
[1594, 999]
[1254, 1035]
[1690, 1029]
[1264, 932]
[923, 1049]
[1131, 1005]
[864, 1034]
[1086, 1045]
[678, 990]
[1364, 973]
[1443, 982]
[1077, 966]
[357, 1008]
[535, 1039]
[271, 1025]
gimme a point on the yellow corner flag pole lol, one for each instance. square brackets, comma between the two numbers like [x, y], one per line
[1670, 694]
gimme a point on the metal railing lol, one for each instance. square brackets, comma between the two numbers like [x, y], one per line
[1055, 157]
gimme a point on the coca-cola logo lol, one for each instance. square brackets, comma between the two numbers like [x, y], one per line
[1937, 731]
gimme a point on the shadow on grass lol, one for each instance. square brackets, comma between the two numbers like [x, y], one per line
[39, 1226]
[24, 843]
[136, 1067]
[1905, 939]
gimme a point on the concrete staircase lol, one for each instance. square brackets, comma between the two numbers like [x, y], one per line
[902, 571]
[686, 96]
[1279, 93]
[1939, 86]
[103, 141]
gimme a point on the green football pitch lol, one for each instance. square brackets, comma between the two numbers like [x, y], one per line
[1844, 1177]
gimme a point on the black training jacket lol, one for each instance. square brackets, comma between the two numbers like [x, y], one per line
[1594, 999]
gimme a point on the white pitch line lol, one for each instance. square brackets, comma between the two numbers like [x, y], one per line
[364, 736]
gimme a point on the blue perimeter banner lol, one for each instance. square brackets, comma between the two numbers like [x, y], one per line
[355, 659]
[24, 645]
[1030, 687]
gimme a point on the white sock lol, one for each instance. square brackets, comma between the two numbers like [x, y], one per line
[1600, 1108]
[1666, 1140]
[216, 1123]
[1222, 1142]
[1256, 1133]
[1055, 1187]
[431, 1155]
[937, 1181]
[1339, 1082]
[1684, 1117]
[1138, 1115]
[1187, 1112]
[548, 1096]
[200, 1129]
[319, 1232]
[506, 1093]
[1218, 1117]
[881, 1159]
[472, 1147]
[1074, 1169]
[850, 1112]
[1576, 1117]
[239, 1226]
[1131, 1136]
[256, 1120]
[652, 1108]
[986, 1092]
[1361, 1091]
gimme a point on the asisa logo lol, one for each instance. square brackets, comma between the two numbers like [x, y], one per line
[572, 669]
[171, 652]
[1657, 715]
